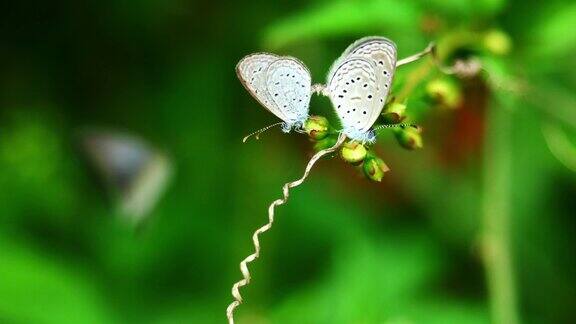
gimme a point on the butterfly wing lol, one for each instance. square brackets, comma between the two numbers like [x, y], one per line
[289, 84]
[353, 90]
[379, 49]
[381, 52]
[281, 84]
[251, 71]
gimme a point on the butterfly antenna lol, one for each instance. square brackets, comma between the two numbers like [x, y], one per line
[260, 131]
[285, 194]
[380, 127]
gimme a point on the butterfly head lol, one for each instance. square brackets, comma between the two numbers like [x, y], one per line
[294, 124]
[287, 126]
[363, 136]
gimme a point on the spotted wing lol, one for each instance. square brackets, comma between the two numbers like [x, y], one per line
[354, 92]
[289, 83]
[382, 53]
[251, 71]
[379, 49]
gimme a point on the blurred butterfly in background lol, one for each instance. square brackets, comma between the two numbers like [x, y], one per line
[358, 85]
[136, 173]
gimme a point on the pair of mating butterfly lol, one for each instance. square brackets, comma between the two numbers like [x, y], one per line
[358, 85]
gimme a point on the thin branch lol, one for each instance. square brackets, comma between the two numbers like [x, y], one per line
[496, 216]
[286, 193]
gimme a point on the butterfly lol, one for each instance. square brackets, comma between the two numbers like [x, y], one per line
[358, 85]
[281, 84]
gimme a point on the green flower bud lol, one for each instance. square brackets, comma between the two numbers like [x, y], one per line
[497, 42]
[409, 138]
[374, 168]
[394, 113]
[316, 127]
[445, 92]
[353, 152]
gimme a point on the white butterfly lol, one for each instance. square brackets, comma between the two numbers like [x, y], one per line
[359, 83]
[281, 84]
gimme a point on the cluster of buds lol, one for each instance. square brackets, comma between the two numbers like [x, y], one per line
[444, 92]
[319, 130]
[353, 152]
[394, 112]
[358, 154]
[317, 127]
[497, 42]
[408, 137]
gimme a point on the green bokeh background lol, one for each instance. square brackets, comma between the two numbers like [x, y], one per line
[344, 249]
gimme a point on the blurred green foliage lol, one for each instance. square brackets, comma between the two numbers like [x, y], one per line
[344, 250]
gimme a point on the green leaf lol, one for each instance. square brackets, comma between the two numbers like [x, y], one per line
[37, 289]
[468, 8]
[344, 18]
[553, 35]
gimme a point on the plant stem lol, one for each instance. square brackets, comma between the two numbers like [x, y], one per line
[496, 216]
[414, 80]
